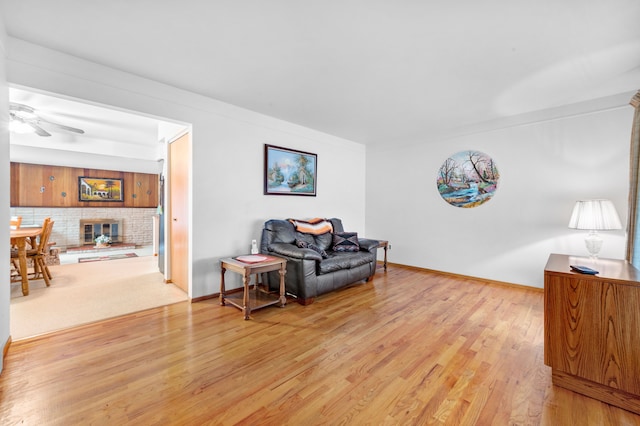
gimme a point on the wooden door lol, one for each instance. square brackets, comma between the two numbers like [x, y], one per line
[178, 249]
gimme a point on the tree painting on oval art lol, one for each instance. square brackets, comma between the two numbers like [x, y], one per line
[468, 179]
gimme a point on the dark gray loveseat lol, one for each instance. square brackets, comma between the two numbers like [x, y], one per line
[308, 273]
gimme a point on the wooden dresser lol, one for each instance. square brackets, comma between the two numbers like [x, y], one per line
[592, 329]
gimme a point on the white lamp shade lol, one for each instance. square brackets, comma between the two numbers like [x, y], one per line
[595, 215]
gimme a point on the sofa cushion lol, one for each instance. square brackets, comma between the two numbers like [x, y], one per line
[304, 244]
[345, 241]
[323, 241]
[305, 238]
[343, 260]
[337, 224]
[291, 251]
[280, 231]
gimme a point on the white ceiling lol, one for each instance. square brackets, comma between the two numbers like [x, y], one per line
[112, 139]
[373, 71]
[109, 129]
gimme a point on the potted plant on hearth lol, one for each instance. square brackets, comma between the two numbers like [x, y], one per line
[103, 241]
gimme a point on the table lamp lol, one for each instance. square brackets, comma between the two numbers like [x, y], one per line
[594, 216]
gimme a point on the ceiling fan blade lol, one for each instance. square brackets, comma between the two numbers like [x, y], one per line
[39, 130]
[34, 121]
[13, 106]
[62, 126]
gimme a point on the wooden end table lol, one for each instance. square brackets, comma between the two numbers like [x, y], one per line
[384, 244]
[251, 300]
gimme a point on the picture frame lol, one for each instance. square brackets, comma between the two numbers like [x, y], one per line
[289, 171]
[100, 189]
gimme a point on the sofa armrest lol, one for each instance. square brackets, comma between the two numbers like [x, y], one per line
[367, 245]
[293, 251]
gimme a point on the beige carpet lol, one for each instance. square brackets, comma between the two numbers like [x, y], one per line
[86, 292]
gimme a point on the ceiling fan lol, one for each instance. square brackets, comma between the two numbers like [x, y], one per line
[26, 118]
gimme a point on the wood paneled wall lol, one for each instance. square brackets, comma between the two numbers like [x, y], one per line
[35, 185]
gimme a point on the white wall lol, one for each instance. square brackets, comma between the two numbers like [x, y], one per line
[228, 205]
[5, 290]
[544, 168]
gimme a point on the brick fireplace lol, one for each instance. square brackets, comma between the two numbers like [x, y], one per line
[92, 228]
[135, 224]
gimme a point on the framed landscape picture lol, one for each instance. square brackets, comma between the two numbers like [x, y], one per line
[468, 179]
[100, 189]
[289, 172]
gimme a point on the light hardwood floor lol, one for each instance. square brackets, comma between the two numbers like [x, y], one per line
[409, 348]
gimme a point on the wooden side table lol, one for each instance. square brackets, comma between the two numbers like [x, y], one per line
[252, 300]
[384, 244]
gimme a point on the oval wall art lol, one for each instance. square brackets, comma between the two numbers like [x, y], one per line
[468, 179]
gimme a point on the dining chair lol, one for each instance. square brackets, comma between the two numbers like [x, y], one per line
[38, 255]
[15, 222]
[40, 268]
[14, 273]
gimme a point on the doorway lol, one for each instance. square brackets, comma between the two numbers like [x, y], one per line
[125, 138]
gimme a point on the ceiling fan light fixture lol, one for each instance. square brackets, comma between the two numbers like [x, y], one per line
[19, 126]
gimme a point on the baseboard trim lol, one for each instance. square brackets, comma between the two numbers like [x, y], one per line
[468, 277]
[206, 297]
[5, 350]
[217, 295]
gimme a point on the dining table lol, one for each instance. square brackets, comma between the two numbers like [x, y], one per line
[19, 239]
